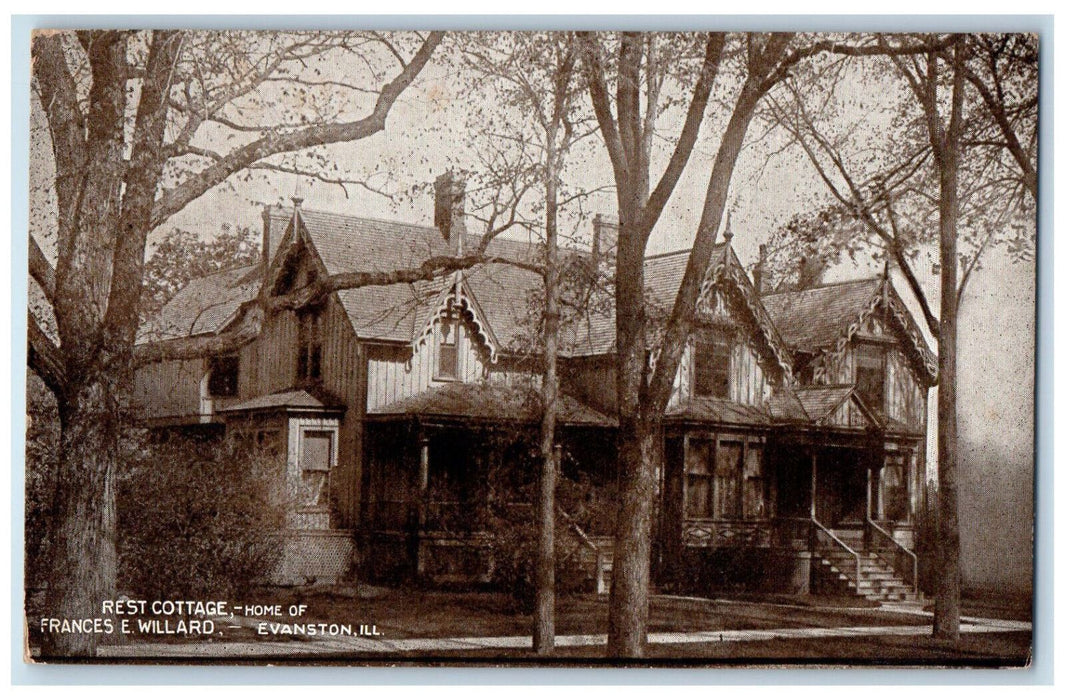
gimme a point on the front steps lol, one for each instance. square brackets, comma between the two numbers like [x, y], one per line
[879, 581]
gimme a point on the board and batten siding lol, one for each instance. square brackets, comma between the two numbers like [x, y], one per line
[395, 371]
[747, 378]
[904, 395]
[269, 363]
[343, 377]
[169, 389]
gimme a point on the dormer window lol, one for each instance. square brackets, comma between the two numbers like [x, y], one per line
[870, 369]
[223, 376]
[447, 351]
[710, 374]
[309, 360]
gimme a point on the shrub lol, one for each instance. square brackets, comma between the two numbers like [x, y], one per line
[199, 518]
[513, 534]
[42, 460]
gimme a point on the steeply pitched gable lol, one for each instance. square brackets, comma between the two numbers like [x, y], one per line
[826, 318]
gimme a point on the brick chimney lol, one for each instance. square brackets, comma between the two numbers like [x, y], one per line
[604, 238]
[269, 244]
[758, 273]
[449, 212]
[811, 270]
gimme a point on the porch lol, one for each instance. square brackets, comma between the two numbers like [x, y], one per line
[450, 477]
[798, 509]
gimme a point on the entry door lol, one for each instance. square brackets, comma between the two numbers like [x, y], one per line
[793, 483]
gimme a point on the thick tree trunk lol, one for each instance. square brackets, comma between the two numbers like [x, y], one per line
[948, 580]
[632, 541]
[946, 622]
[638, 453]
[544, 612]
[82, 558]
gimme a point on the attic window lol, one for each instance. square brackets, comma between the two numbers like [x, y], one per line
[309, 361]
[223, 377]
[870, 373]
[447, 351]
[711, 370]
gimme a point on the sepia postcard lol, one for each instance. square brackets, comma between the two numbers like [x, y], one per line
[531, 348]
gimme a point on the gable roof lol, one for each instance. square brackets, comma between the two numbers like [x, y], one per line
[663, 275]
[506, 296]
[825, 318]
[203, 306]
[399, 312]
[813, 318]
[294, 399]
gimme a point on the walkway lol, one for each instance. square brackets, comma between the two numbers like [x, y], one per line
[342, 645]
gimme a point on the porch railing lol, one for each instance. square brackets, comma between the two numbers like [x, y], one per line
[603, 560]
[851, 561]
[903, 560]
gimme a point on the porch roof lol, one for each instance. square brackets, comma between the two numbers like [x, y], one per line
[487, 402]
[294, 399]
[712, 409]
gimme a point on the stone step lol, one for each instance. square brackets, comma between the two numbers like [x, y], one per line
[878, 583]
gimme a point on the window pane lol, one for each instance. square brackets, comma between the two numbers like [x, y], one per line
[727, 473]
[697, 497]
[869, 374]
[753, 484]
[697, 494]
[315, 460]
[447, 358]
[711, 368]
[698, 457]
[448, 361]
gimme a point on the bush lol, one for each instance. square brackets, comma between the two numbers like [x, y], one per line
[513, 535]
[42, 460]
[199, 518]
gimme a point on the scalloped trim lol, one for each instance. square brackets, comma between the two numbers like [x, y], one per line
[724, 271]
[456, 299]
[926, 360]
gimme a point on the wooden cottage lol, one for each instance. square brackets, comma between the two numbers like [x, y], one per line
[400, 415]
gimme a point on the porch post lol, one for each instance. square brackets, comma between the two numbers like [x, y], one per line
[869, 493]
[423, 495]
[911, 487]
[813, 484]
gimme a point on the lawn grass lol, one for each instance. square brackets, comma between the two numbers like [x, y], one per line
[405, 614]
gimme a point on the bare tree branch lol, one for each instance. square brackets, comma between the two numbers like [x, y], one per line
[177, 197]
[42, 270]
[44, 358]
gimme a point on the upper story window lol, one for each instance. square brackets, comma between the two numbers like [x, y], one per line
[870, 370]
[309, 360]
[710, 374]
[447, 351]
[223, 375]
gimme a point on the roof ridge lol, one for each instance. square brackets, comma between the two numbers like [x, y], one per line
[355, 217]
[228, 270]
[657, 256]
[826, 285]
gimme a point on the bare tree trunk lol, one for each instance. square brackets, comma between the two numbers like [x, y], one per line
[638, 453]
[947, 149]
[544, 613]
[82, 559]
[629, 591]
[948, 582]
